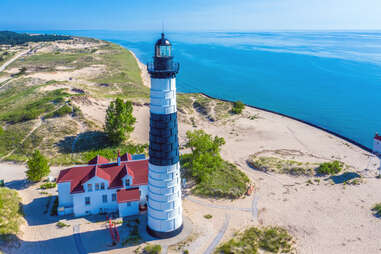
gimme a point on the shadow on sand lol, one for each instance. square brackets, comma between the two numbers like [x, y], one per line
[339, 179]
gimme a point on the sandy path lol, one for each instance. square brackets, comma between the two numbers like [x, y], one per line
[4, 65]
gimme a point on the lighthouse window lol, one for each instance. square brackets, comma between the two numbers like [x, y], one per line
[165, 51]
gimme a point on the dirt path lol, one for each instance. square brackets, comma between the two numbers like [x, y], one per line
[4, 65]
[219, 236]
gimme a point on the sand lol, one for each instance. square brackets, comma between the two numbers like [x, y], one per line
[323, 218]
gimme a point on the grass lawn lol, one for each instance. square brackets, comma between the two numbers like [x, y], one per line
[10, 213]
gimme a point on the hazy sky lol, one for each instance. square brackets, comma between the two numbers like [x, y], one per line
[181, 15]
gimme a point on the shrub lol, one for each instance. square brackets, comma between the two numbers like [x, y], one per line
[61, 224]
[330, 168]
[208, 216]
[10, 213]
[238, 106]
[48, 186]
[152, 249]
[37, 167]
[377, 209]
[53, 212]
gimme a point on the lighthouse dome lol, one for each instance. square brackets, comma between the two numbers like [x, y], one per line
[163, 47]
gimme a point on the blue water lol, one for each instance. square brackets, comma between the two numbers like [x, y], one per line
[331, 79]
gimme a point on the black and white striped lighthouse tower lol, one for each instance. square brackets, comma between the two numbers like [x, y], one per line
[164, 186]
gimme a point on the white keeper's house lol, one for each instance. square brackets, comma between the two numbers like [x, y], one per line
[104, 187]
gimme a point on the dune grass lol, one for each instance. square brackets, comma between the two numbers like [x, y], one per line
[10, 213]
[258, 240]
[226, 181]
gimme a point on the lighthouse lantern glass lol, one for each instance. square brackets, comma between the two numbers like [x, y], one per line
[164, 51]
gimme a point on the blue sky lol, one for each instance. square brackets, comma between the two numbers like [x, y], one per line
[182, 15]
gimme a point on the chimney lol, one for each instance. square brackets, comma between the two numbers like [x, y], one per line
[118, 158]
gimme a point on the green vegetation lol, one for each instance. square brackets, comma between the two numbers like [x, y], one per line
[330, 168]
[252, 240]
[281, 166]
[19, 104]
[61, 224]
[152, 249]
[122, 73]
[134, 236]
[62, 111]
[10, 213]
[238, 106]
[119, 121]
[208, 216]
[48, 186]
[377, 209]
[111, 152]
[12, 38]
[214, 176]
[38, 167]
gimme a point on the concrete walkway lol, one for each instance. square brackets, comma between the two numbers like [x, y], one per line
[78, 241]
[219, 236]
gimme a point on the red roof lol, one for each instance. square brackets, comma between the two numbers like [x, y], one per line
[98, 160]
[126, 157]
[378, 137]
[111, 172]
[128, 195]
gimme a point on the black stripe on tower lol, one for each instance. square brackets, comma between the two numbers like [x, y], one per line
[163, 139]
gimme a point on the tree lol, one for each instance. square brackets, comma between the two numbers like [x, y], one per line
[238, 107]
[205, 154]
[38, 167]
[119, 121]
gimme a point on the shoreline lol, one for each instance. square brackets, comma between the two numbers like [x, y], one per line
[353, 142]
[145, 78]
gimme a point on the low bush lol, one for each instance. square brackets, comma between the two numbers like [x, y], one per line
[61, 224]
[208, 216]
[330, 168]
[152, 249]
[54, 211]
[377, 210]
[48, 186]
[238, 106]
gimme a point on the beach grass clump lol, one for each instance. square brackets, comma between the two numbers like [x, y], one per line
[259, 240]
[377, 209]
[208, 216]
[330, 168]
[152, 249]
[184, 102]
[202, 104]
[214, 176]
[282, 166]
[238, 107]
[10, 213]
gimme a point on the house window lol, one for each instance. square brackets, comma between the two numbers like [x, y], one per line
[102, 186]
[128, 203]
[97, 186]
[87, 200]
[113, 197]
[89, 187]
[127, 182]
[104, 198]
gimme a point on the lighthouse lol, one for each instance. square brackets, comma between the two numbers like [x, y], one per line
[164, 218]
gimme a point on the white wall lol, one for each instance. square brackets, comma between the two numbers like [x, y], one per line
[164, 202]
[125, 210]
[64, 195]
[163, 96]
[96, 199]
